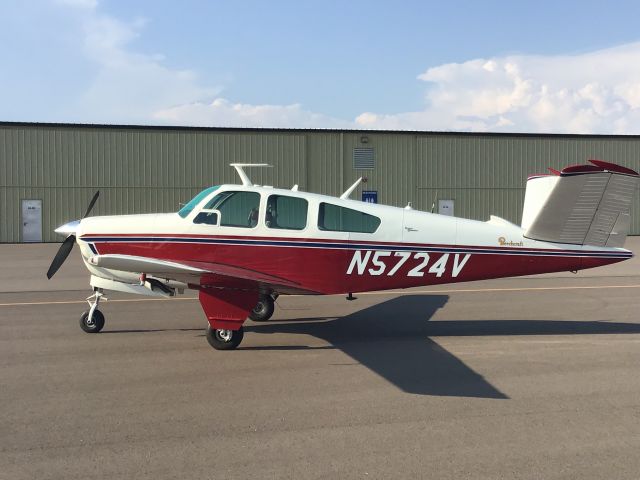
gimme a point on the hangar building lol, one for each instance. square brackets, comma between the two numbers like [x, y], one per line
[49, 172]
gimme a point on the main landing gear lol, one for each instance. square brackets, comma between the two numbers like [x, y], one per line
[92, 321]
[227, 339]
[263, 309]
[222, 339]
[226, 311]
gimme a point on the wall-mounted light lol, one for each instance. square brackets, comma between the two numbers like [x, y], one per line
[364, 139]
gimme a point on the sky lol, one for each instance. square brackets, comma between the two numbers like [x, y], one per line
[499, 66]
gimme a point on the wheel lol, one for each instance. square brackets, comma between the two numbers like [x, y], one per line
[263, 310]
[96, 323]
[224, 339]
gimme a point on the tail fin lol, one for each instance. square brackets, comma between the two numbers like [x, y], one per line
[581, 205]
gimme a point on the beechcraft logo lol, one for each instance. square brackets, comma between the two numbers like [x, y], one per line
[508, 243]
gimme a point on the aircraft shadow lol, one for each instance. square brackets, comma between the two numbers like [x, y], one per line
[392, 339]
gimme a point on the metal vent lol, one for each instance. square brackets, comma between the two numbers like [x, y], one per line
[363, 158]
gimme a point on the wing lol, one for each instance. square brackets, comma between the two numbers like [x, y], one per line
[198, 273]
[582, 205]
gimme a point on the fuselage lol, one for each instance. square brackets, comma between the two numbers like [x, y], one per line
[324, 245]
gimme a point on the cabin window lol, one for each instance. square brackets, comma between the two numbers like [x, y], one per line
[286, 212]
[193, 203]
[237, 209]
[340, 219]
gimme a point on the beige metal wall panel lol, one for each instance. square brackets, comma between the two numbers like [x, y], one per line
[393, 176]
[136, 171]
[331, 169]
[486, 175]
[153, 170]
[324, 162]
[482, 175]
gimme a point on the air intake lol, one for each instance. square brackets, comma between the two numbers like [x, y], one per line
[363, 158]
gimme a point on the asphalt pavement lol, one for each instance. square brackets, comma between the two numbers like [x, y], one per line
[525, 378]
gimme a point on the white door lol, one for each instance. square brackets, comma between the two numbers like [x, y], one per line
[31, 220]
[445, 207]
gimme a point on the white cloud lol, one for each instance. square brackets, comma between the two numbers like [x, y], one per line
[592, 92]
[221, 112]
[127, 86]
[595, 92]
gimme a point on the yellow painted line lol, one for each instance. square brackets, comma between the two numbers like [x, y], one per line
[72, 302]
[514, 289]
[386, 292]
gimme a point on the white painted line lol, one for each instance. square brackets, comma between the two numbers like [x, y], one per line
[385, 292]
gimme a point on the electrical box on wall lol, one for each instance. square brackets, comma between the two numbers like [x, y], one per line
[445, 207]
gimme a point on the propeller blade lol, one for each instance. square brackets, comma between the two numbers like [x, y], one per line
[61, 256]
[92, 203]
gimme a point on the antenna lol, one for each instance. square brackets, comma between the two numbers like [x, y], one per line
[350, 190]
[294, 188]
[243, 176]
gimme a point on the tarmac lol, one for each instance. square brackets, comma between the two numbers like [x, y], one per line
[522, 378]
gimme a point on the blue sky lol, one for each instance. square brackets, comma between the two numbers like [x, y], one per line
[472, 66]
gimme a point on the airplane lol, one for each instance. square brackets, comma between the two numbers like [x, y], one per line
[241, 246]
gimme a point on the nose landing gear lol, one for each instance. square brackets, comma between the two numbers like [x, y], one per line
[92, 321]
[92, 324]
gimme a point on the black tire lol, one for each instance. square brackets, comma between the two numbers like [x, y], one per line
[97, 321]
[224, 339]
[263, 309]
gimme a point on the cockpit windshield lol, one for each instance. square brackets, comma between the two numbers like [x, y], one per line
[187, 209]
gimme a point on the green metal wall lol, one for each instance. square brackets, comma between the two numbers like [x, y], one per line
[155, 169]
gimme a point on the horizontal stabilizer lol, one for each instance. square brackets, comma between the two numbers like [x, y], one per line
[581, 205]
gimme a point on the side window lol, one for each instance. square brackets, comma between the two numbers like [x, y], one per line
[340, 219]
[237, 209]
[207, 217]
[286, 212]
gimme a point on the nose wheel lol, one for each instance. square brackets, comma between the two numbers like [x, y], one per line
[222, 339]
[92, 323]
[92, 320]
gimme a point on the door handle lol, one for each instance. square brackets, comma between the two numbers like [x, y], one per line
[409, 229]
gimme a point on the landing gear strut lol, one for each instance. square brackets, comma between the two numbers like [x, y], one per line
[226, 311]
[92, 321]
[263, 309]
[222, 339]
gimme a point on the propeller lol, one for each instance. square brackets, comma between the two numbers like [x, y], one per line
[91, 204]
[67, 245]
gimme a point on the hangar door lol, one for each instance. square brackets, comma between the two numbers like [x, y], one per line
[31, 220]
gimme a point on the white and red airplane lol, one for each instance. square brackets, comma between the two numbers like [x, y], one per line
[243, 245]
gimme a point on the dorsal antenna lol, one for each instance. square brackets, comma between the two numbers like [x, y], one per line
[350, 190]
[243, 176]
